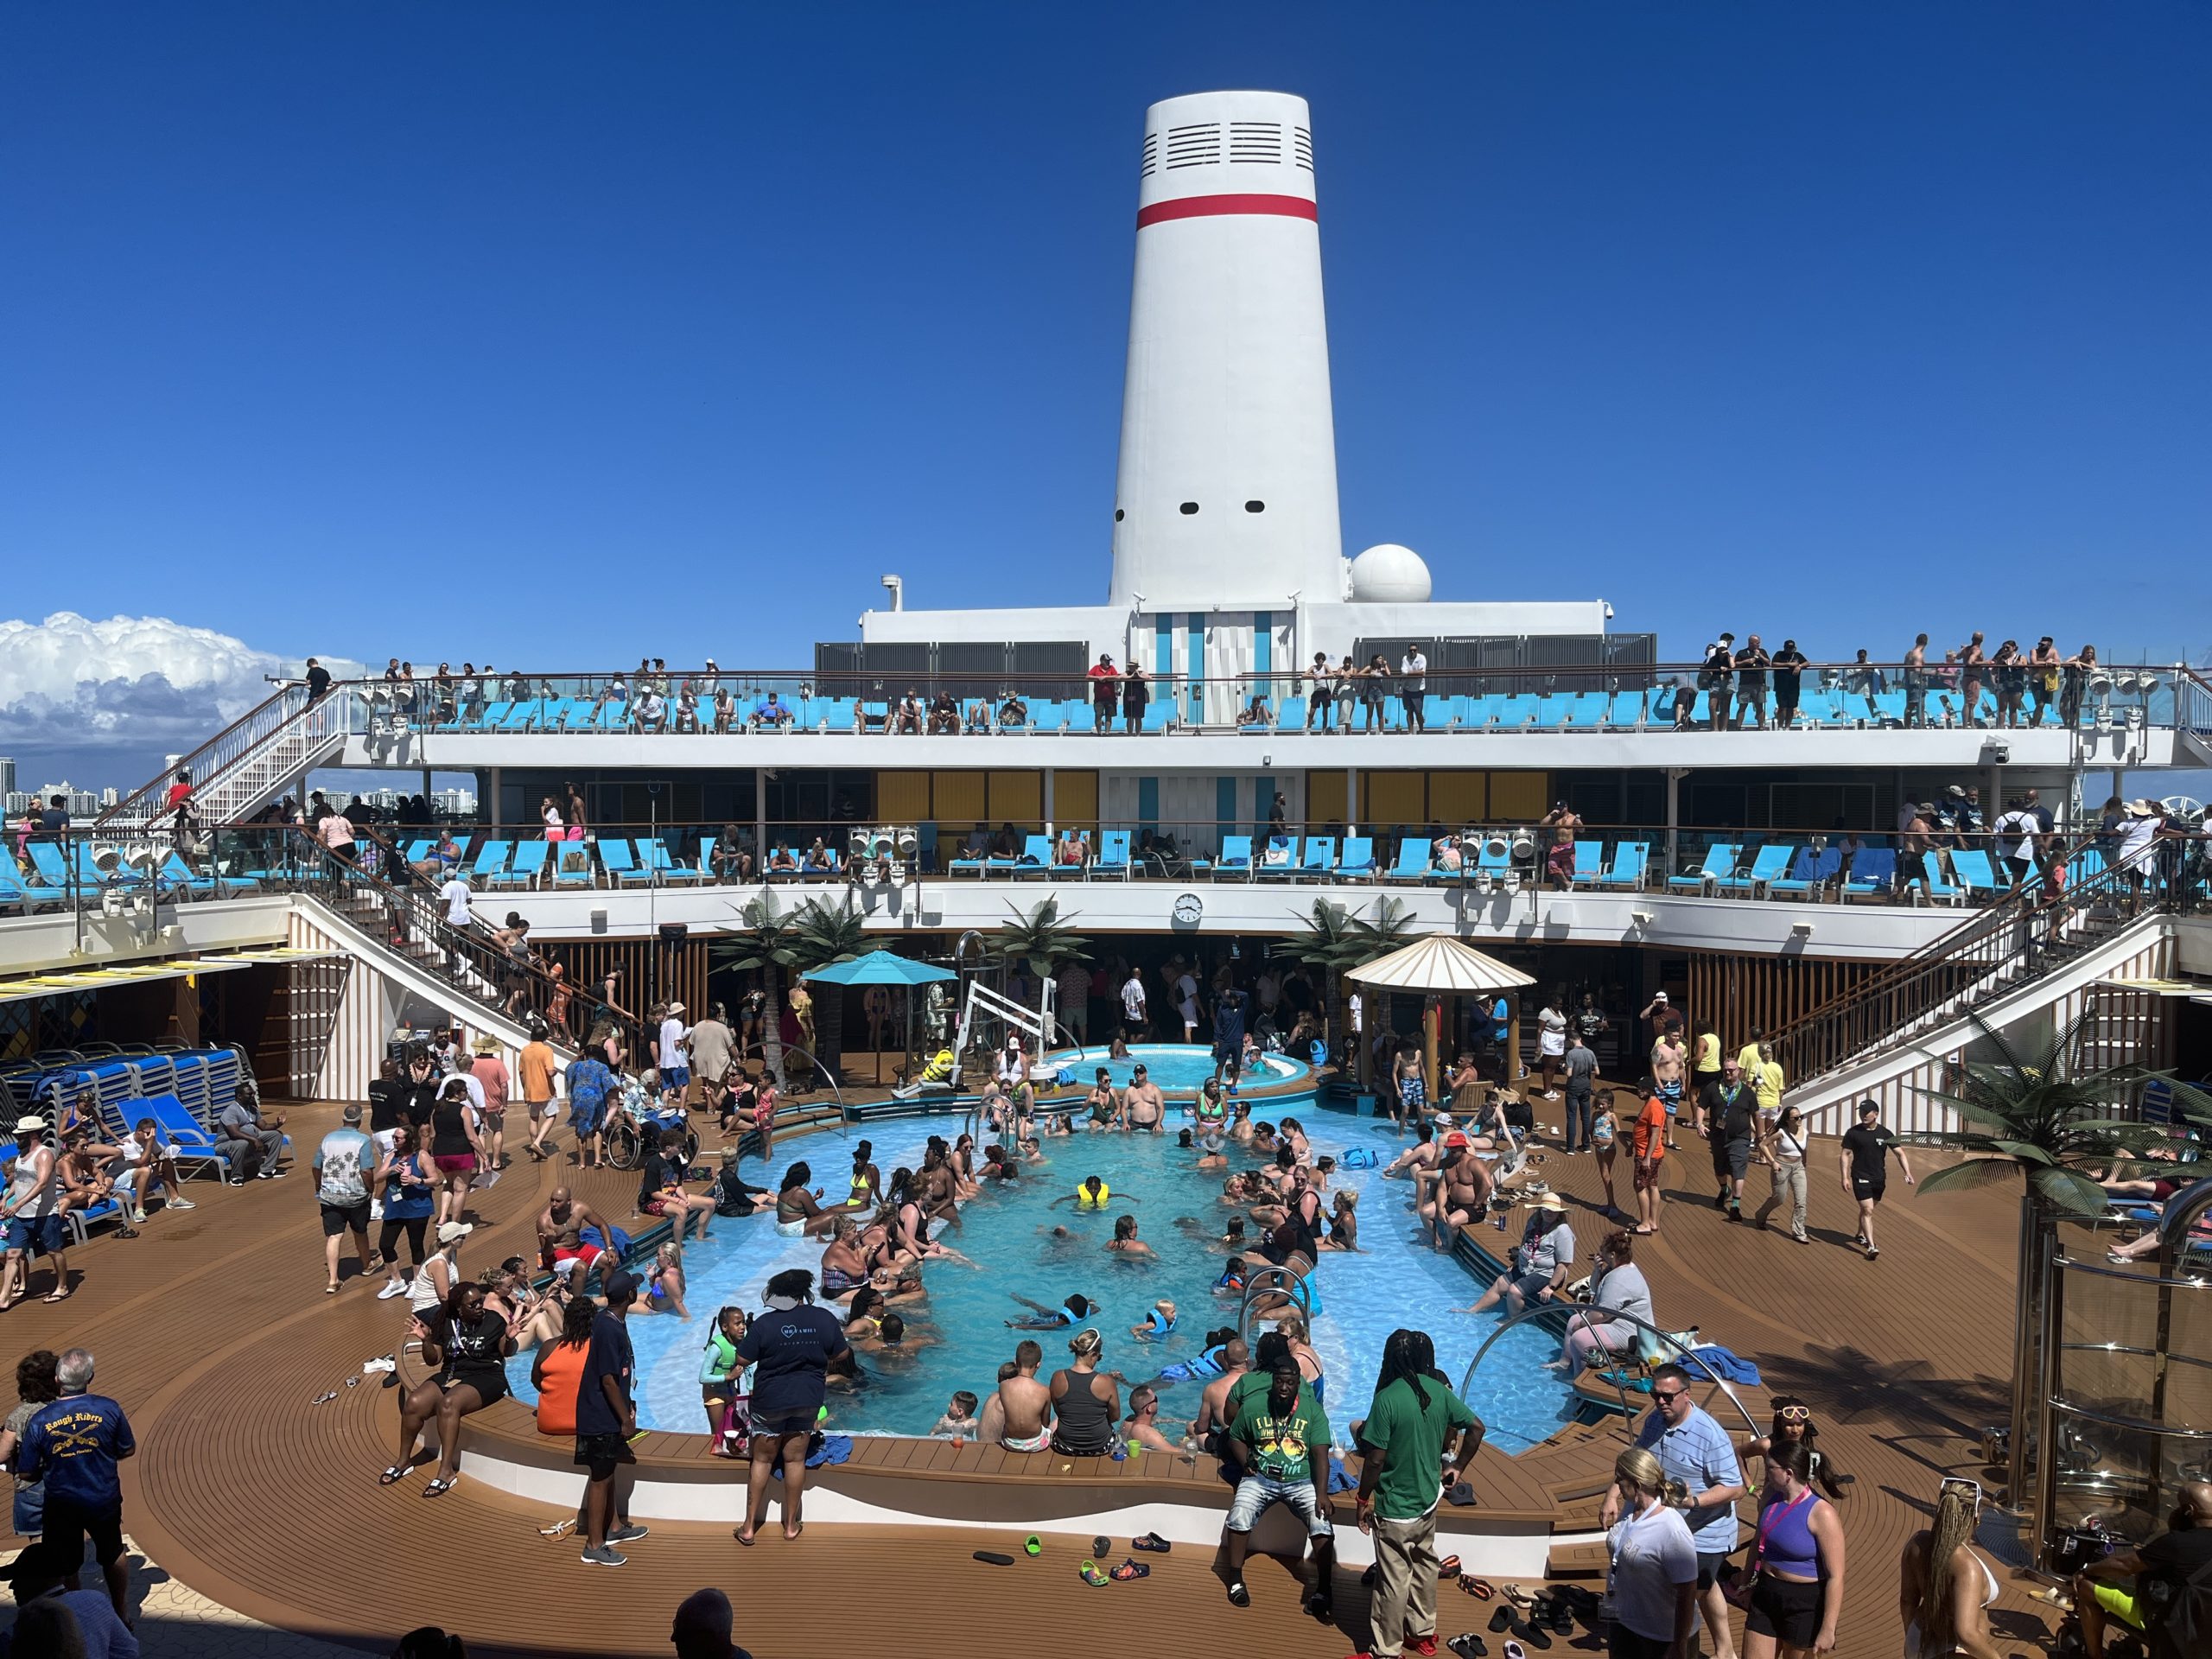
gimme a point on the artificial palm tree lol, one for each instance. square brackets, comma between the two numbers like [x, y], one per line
[1334, 942]
[1039, 940]
[824, 933]
[768, 942]
[2043, 1117]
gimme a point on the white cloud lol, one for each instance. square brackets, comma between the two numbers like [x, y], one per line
[72, 685]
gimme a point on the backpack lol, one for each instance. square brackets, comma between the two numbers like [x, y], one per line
[2177, 1613]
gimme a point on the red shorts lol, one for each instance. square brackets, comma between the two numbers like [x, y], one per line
[460, 1163]
[585, 1253]
[653, 1206]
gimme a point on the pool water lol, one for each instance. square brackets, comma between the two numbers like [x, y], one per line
[1177, 1068]
[1392, 1279]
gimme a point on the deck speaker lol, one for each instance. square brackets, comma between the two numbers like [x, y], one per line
[674, 933]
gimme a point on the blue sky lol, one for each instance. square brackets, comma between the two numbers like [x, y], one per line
[568, 334]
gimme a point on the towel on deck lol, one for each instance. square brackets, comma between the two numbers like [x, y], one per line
[834, 1448]
[1720, 1364]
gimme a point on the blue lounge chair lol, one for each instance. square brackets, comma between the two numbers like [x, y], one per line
[1235, 858]
[1720, 860]
[653, 854]
[1809, 873]
[1319, 862]
[977, 866]
[1278, 858]
[1630, 859]
[1940, 890]
[491, 859]
[622, 868]
[1872, 873]
[15, 894]
[1977, 874]
[1769, 864]
[1358, 862]
[1412, 859]
[1036, 857]
[1589, 863]
[529, 864]
[1113, 860]
[572, 865]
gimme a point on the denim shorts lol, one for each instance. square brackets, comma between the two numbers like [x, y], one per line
[1256, 1493]
[43, 1234]
[30, 1511]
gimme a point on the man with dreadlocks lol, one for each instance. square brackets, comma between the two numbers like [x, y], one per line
[1403, 1477]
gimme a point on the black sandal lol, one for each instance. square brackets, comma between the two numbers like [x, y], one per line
[393, 1475]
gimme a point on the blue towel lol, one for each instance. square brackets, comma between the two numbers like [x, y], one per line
[834, 1448]
[1338, 1480]
[619, 1248]
[1719, 1362]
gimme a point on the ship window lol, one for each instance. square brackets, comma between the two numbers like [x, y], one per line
[1188, 508]
[1256, 506]
[1118, 515]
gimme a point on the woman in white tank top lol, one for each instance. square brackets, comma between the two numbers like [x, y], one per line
[1955, 1605]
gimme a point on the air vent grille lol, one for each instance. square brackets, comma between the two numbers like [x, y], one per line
[1301, 147]
[1151, 154]
[1193, 146]
[1256, 141]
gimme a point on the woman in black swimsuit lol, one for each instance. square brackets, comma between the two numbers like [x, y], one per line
[469, 1344]
[1085, 1405]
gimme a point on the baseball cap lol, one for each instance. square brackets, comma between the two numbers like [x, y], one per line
[621, 1282]
[450, 1230]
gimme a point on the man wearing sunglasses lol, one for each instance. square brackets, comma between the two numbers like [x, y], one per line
[1693, 1449]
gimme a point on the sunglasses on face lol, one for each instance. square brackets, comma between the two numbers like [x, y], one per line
[1668, 1399]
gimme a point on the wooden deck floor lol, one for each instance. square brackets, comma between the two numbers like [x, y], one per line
[212, 1330]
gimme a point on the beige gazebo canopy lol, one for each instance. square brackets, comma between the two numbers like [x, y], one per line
[1441, 966]
[1439, 962]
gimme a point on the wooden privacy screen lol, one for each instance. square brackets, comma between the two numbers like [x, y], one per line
[1737, 991]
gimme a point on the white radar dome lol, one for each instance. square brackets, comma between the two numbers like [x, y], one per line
[1390, 575]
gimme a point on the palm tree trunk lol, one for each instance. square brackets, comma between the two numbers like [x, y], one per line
[829, 1029]
[772, 1023]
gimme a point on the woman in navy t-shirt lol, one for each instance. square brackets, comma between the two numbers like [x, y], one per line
[791, 1345]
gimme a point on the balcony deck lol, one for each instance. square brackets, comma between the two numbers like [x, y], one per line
[213, 1333]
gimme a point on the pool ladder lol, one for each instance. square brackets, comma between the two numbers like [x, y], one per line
[1270, 1280]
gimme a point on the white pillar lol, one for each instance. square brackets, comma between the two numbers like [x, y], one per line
[1048, 801]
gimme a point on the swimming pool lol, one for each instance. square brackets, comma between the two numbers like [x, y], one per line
[1177, 1068]
[1392, 1281]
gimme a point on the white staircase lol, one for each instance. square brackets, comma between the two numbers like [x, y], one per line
[250, 762]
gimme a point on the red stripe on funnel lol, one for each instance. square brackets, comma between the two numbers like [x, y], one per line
[1208, 207]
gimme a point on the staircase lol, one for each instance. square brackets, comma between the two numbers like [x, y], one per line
[1923, 1002]
[248, 763]
[403, 931]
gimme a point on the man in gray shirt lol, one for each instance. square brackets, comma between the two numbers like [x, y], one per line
[249, 1142]
[1581, 1074]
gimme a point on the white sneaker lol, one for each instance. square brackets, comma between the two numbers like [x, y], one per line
[137, 1218]
[392, 1288]
[181, 1203]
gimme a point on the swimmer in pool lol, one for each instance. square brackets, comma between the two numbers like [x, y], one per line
[1158, 1320]
[1143, 1106]
[1125, 1241]
[1072, 1312]
[1091, 1193]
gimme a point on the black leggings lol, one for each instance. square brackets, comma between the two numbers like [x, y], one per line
[389, 1237]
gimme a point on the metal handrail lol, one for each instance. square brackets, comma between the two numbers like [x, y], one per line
[1297, 1293]
[1467, 1377]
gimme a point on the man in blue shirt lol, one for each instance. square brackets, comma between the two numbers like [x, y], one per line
[75, 1443]
[1693, 1449]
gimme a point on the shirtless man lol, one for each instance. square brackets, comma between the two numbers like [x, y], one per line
[560, 1230]
[1669, 1055]
[1142, 1103]
[1916, 682]
[1457, 1195]
[1025, 1404]
[1236, 1360]
[1417, 1160]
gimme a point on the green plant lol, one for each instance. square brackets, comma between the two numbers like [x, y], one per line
[2042, 1118]
[768, 942]
[1039, 940]
[1334, 942]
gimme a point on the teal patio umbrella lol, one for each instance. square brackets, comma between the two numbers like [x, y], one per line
[883, 968]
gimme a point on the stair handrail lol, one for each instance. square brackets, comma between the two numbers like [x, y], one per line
[313, 872]
[1924, 983]
[211, 761]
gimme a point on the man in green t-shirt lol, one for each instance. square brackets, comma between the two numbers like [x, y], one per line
[1279, 1442]
[1402, 1478]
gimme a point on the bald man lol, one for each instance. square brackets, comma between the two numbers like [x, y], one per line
[702, 1630]
[560, 1231]
[2161, 1570]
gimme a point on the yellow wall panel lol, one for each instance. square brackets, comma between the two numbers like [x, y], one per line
[1324, 795]
[961, 798]
[1018, 798]
[1075, 798]
[1519, 797]
[1458, 797]
[1392, 798]
[902, 796]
